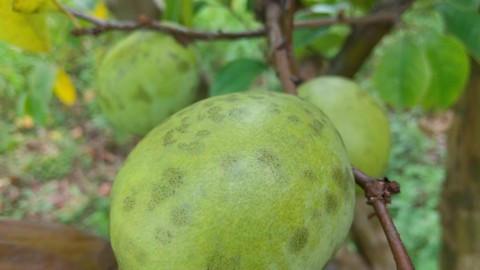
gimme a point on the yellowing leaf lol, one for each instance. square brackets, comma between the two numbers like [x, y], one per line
[64, 89]
[27, 31]
[27, 6]
[100, 10]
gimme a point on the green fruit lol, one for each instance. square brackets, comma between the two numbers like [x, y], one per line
[238, 181]
[361, 121]
[145, 78]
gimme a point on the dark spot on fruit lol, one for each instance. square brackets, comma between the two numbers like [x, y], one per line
[193, 147]
[182, 128]
[185, 119]
[331, 203]
[172, 179]
[142, 95]
[200, 117]
[160, 192]
[202, 133]
[163, 236]
[228, 161]
[168, 138]
[275, 110]
[317, 214]
[294, 119]
[183, 66]
[298, 240]
[214, 113]
[128, 204]
[341, 177]
[317, 126]
[174, 176]
[238, 112]
[337, 174]
[269, 158]
[180, 216]
[219, 261]
[309, 175]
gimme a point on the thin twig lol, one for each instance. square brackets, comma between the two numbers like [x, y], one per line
[102, 26]
[278, 46]
[378, 193]
[67, 12]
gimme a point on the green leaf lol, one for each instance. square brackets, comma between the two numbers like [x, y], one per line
[304, 37]
[40, 83]
[463, 21]
[449, 67]
[401, 75]
[180, 11]
[236, 76]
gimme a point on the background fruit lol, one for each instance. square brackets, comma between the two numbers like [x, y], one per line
[358, 117]
[145, 78]
[240, 181]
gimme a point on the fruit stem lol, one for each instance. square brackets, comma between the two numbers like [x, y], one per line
[378, 193]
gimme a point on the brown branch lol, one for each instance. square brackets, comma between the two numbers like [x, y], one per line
[378, 193]
[102, 26]
[278, 46]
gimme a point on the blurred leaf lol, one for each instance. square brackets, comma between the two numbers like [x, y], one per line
[304, 37]
[33, 6]
[40, 82]
[27, 31]
[401, 75]
[180, 11]
[28, 245]
[64, 89]
[463, 21]
[100, 10]
[236, 76]
[449, 67]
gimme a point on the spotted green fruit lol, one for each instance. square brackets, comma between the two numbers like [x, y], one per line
[145, 78]
[240, 181]
[361, 121]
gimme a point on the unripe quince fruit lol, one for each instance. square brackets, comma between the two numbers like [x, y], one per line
[361, 121]
[145, 78]
[240, 181]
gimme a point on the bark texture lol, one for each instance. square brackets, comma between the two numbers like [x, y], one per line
[460, 200]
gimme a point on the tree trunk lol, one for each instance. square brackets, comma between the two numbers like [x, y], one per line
[460, 199]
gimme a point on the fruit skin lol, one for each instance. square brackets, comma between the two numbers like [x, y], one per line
[239, 181]
[361, 121]
[145, 78]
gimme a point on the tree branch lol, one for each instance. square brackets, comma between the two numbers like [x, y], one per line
[278, 46]
[378, 193]
[102, 26]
